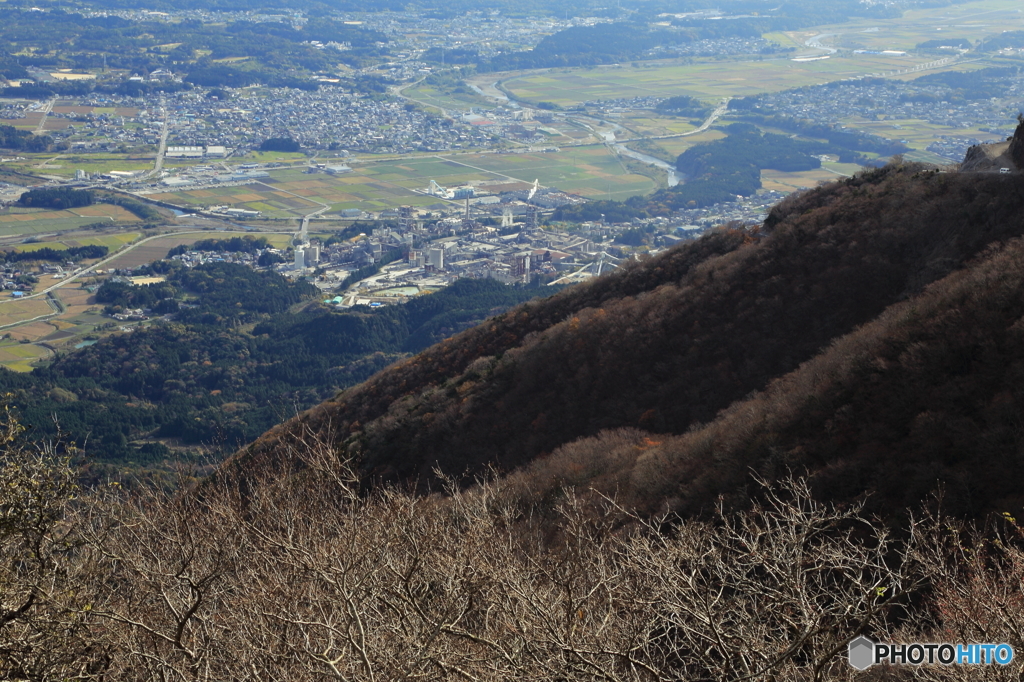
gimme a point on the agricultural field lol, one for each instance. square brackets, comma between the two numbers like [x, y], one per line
[82, 316]
[273, 202]
[646, 123]
[431, 96]
[13, 311]
[267, 157]
[155, 250]
[916, 134]
[111, 241]
[792, 182]
[708, 80]
[65, 165]
[20, 356]
[678, 145]
[590, 171]
[46, 222]
[971, 20]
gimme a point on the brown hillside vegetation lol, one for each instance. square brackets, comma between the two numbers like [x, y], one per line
[709, 323]
[720, 457]
[303, 578]
[928, 393]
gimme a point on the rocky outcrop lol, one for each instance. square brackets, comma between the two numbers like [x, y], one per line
[988, 158]
[998, 157]
[1016, 149]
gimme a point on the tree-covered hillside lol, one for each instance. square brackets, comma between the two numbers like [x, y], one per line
[231, 362]
[715, 320]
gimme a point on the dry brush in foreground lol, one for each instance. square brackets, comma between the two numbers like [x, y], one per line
[298, 577]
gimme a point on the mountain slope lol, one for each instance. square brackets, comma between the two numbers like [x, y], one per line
[928, 393]
[662, 357]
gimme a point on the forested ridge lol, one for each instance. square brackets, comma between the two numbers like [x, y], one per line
[711, 322]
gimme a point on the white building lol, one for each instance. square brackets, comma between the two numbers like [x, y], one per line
[185, 152]
[435, 258]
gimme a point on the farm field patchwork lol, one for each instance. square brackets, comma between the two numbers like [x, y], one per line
[154, 250]
[111, 241]
[82, 315]
[707, 80]
[20, 356]
[970, 20]
[13, 310]
[917, 134]
[591, 171]
[290, 193]
[13, 224]
[65, 165]
[100, 211]
[647, 124]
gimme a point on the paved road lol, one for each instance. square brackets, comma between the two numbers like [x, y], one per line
[162, 150]
[721, 109]
[41, 128]
[815, 42]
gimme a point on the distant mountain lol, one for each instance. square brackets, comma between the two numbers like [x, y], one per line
[665, 345]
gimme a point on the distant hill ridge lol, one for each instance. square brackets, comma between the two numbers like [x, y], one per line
[661, 348]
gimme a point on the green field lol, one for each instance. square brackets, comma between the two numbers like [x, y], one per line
[916, 133]
[678, 145]
[644, 123]
[20, 357]
[268, 157]
[13, 310]
[65, 165]
[112, 241]
[28, 248]
[590, 171]
[15, 221]
[970, 20]
[436, 98]
[54, 221]
[706, 80]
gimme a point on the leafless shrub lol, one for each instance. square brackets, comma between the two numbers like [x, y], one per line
[299, 576]
[42, 624]
[977, 592]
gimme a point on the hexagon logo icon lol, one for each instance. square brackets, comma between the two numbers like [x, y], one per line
[862, 653]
